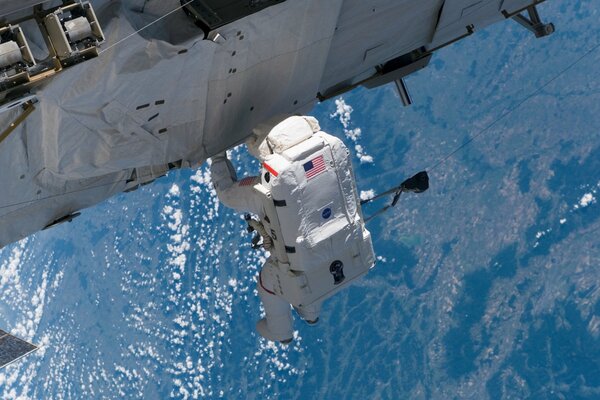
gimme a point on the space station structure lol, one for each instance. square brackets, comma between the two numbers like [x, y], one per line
[96, 100]
[100, 100]
[306, 209]
[13, 348]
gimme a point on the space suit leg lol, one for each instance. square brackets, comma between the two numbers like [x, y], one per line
[277, 324]
[309, 313]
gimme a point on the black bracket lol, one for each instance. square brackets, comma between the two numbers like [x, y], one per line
[403, 92]
[534, 22]
[62, 220]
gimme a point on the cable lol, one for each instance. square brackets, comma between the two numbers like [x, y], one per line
[59, 195]
[513, 109]
[145, 27]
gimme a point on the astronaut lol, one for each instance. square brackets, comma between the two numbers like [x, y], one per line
[296, 273]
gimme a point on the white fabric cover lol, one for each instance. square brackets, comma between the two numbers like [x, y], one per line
[276, 136]
[154, 96]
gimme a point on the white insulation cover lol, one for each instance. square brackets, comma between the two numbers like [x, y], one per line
[158, 93]
[317, 203]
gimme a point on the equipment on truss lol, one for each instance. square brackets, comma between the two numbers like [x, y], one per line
[72, 34]
[532, 23]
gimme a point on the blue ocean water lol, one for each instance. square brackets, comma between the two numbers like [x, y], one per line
[487, 286]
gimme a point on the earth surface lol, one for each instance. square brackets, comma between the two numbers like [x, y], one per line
[486, 286]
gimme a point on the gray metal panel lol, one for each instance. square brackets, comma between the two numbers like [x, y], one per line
[12, 348]
[372, 32]
[11, 6]
[458, 14]
[511, 6]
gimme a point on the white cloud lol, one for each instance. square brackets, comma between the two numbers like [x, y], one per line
[343, 113]
[367, 194]
[353, 134]
[365, 159]
[586, 200]
[174, 191]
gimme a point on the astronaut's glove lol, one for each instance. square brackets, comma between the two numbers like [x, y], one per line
[267, 243]
[222, 174]
[257, 146]
[254, 140]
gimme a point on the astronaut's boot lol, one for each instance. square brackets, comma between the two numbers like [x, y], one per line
[277, 324]
[310, 313]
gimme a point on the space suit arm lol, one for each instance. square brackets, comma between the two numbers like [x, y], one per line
[238, 195]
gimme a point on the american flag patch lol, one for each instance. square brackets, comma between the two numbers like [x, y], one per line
[248, 181]
[314, 167]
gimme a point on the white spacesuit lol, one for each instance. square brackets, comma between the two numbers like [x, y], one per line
[308, 214]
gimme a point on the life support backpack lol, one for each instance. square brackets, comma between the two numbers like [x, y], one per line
[323, 246]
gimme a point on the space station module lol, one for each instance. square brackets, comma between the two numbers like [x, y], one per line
[309, 215]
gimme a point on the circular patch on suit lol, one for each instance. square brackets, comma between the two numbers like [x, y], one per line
[326, 214]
